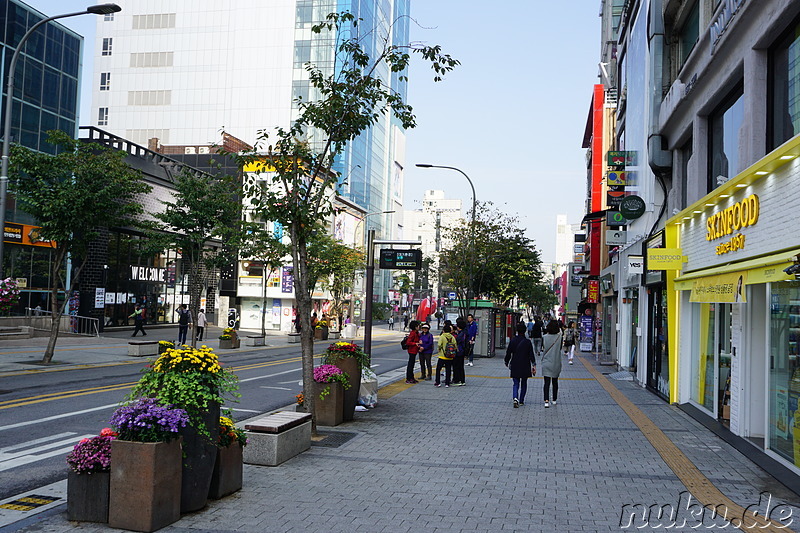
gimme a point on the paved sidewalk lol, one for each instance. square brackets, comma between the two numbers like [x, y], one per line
[463, 459]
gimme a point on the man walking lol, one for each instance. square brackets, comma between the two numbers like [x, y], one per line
[138, 320]
[184, 319]
[472, 332]
[536, 335]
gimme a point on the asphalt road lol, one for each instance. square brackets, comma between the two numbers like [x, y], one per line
[43, 415]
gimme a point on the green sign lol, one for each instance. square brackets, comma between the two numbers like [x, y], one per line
[401, 259]
[615, 219]
[632, 207]
[621, 159]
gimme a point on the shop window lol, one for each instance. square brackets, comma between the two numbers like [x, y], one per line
[723, 146]
[784, 371]
[784, 90]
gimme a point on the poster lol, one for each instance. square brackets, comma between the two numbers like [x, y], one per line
[287, 279]
[587, 333]
[99, 297]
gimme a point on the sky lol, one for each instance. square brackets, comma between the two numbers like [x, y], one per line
[512, 116]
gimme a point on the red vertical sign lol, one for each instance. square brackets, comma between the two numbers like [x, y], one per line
[593, 291]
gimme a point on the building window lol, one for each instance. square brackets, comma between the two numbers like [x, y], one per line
[155, 21]
[108, 17]
[149, 97]
[784, 80]
[102, 116]
[688, 34]
[107, 41]
[105, 81]
[151, 59]
[304, 13]
[302, 53]
[686, 155]
[723, 148]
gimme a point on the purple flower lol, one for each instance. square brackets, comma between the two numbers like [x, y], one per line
[145, 420]
[91, 455]
[325, 373]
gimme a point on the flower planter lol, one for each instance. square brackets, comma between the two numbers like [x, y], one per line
[334, 335]
[145, 488]
[318, 334]
[300, 408]
[200, 455]
[228, 344]
[350, 366]
[87, 496]
[228, 469]
[330, 410]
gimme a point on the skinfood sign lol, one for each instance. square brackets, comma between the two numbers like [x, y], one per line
[730, 221]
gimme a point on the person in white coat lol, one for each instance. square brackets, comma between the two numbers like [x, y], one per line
[202, 322]
[550, 362]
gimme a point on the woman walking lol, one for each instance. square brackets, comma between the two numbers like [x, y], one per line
[551, 360]
[447, 352]
[425, 351]
[570, 336]
[413, 349]
[462, 338]
[521, 360]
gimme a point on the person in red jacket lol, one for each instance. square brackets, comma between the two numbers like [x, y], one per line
[413, 349]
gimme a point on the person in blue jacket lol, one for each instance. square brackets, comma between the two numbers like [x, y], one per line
[426, 352]
[472, 332]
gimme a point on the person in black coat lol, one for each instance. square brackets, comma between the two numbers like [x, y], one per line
[521, 360]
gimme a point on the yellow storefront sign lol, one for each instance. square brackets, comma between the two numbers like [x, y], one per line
[722, 288]
[665, 259]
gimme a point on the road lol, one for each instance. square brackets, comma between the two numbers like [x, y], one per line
[43, 415]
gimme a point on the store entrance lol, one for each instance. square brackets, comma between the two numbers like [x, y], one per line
[711, 387]
[657, 354]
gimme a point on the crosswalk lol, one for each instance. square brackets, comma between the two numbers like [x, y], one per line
[38, 449]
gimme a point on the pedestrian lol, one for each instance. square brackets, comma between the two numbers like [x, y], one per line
[551, 360]
[529, 328]
[521, 361]
[138, 320]
[184, 319]
[447, 352]
[202, 322]
[391, 323]
[426, 351]
[570, 336]
[536, 334]
[472, 332]
[462, 343]
[314, 320]
[405, 321]
[413, 349]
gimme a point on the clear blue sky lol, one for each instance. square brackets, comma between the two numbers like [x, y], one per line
[512, 116]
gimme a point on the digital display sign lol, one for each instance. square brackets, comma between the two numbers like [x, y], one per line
[401, 259]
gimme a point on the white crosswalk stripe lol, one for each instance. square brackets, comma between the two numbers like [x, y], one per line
[42, 449]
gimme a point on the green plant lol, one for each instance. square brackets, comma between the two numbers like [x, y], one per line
[227, 334]
[229, 432]
[189, 378]
[339, 350]
[330, 374]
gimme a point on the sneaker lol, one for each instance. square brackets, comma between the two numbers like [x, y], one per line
[470, 364]
[522, 403]
[411, 381]
[447, 386]
[570, 362]
[437, 384]
[547, 404]
[553, 402]
[516, 403]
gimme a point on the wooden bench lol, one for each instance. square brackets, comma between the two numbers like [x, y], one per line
[276, 438]
[254, 340]
[142, 348]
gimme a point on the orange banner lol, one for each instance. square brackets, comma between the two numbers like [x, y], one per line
[25, 234]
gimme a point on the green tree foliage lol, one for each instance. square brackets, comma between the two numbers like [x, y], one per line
[504, 262]
[263, 244]
[295, 183]
[203, 208]
[333, 265]
[74, 195]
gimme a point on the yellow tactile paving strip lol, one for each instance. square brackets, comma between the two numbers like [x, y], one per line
[699, 485]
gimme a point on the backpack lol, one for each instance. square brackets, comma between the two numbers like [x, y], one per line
[183, 320]
[404, 343]
[450, 350]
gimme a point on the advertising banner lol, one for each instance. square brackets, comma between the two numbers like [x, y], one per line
[593, 291]
[665, 259]
[587, 333]
[723, 288]
[287, 279]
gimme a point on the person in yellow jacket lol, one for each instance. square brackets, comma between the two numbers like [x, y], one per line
[447, 352]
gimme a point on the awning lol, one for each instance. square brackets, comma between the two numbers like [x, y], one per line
[759, 270]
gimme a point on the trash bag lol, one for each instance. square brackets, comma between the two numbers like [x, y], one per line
[368, 393]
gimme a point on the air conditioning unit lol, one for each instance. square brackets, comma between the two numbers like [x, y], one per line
[202, 150]
[188, 150]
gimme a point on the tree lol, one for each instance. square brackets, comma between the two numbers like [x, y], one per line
[74, 195]
[352, 96]
[264, 245]
[333, 265]
[203, 208]
[506, 262]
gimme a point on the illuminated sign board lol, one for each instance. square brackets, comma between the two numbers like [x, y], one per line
[401, 259]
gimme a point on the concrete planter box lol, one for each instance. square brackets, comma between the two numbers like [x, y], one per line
[228, 344]
[294, 338]
[333, 335]
[254, 340]
[330, 410]
[145, 490]
[87, 496]
[228, 469]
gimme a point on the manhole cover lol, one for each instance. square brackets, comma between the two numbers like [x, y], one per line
[333, 439]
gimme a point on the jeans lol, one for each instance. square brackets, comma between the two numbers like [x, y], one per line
[425, 362]
[182, 330]
[547, 389]
[538, 344]
[520, 388]
[412, 359]
[138, 326]
[200, 330]
[470, 350]
[448, 368]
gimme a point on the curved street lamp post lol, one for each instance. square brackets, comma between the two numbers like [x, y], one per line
[471, 228]
[100, 9]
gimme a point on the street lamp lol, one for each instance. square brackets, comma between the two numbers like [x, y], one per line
[100, 9]
[362, 219]
[471, 228]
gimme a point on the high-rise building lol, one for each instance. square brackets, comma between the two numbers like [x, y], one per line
[183, 72]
